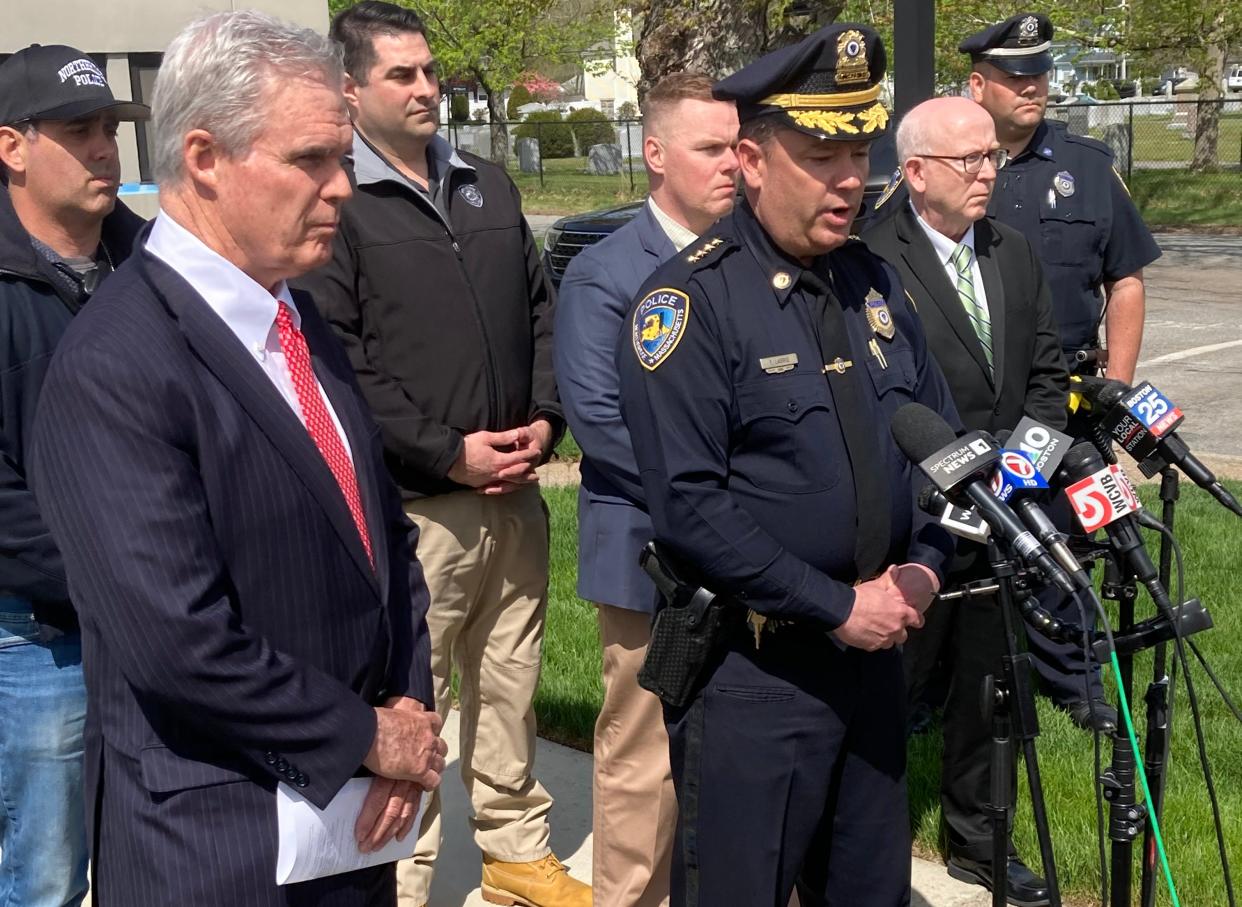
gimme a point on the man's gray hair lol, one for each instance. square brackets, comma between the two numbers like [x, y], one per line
[214, 75]
[914, 137]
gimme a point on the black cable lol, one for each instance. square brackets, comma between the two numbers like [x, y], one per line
[1181, 596]
[1215, 680]
[1207, 768]
[1197, 719]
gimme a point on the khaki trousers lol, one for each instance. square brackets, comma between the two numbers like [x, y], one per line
[486, 563]
[634, 804]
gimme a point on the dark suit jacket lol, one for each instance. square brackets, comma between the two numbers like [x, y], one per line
[1030, 376]
[595, 295]
[233, 633]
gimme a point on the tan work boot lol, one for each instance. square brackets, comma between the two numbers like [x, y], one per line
[540, 883]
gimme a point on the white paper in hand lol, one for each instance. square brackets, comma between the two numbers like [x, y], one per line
[320, 842]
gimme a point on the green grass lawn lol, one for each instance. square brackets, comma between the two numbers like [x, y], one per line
[1155, 141]
[568, 189]
[570, 693]
[1172, 198]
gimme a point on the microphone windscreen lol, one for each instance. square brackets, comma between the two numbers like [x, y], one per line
[920, 432]
[1080, 461]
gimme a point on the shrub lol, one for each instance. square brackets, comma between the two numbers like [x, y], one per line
[479, 115]
[590, 127]
[459, 108]
[627, 111]
[553, 133]
[519, 97]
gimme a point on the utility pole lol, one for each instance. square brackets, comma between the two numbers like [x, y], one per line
[914, 53]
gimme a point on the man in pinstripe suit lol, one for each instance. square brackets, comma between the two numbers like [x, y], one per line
[237, 555]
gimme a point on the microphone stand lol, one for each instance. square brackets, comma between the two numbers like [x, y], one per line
[1127, 817]
[1119, 779]
[1159, 704]
[1008, 700]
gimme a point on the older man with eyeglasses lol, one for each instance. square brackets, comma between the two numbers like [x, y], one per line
[985, 305]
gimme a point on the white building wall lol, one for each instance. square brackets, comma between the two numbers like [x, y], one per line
[118, 28]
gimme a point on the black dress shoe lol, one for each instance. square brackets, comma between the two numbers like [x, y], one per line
[1022, 887]
[1080, 712]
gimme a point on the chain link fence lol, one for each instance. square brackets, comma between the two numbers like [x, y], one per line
[1153, 141]
[578, 165]
[545, 152]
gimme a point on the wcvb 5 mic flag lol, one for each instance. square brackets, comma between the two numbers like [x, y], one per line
[1102, 497]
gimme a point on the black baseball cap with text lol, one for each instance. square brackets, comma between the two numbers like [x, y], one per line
[55, 82]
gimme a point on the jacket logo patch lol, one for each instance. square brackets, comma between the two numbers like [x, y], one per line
[659, 322]
[472, 194]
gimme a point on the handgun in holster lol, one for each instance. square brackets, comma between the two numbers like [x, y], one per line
[685, 633]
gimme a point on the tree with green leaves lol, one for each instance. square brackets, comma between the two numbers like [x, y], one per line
[496, 41]
[1194, 33]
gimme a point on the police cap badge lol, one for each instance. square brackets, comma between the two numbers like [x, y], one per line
[827, 85]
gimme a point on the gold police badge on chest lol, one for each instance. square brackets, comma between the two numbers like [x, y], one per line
[879, 318]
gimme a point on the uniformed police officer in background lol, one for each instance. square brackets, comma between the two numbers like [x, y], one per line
[1063, 193]
[760, 369]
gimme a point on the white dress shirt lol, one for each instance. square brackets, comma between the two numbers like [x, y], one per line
[246, 308]
[945, 247]
[678, 235]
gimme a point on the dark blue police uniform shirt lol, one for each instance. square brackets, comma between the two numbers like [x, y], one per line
[743, 462]
[1064, 196]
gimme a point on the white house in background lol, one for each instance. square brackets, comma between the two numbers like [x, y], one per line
[1073, 65]
[126, 39]
[611, 75]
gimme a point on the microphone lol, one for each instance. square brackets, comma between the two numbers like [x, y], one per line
[1046, 448]
[957, 467]
[961, 521]
[1142, 421]
[1103, 499]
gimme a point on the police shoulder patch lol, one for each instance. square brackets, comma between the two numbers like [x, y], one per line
[659, 323]
[1121, 179]
[894, 183]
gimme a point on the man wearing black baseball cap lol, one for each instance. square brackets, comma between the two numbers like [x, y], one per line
[61, 232]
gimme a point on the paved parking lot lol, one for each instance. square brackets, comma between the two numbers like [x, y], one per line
[1192, 343]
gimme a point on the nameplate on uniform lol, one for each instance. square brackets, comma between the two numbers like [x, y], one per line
[659, 322]
[774, 365]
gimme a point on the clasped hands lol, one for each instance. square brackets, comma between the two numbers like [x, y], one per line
[885, 607]
[407, 757]
[498, 462]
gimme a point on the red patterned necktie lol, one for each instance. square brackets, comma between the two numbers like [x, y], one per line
[318, 421]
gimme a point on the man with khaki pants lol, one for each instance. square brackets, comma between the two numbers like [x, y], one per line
[436, 291]
[688, 140]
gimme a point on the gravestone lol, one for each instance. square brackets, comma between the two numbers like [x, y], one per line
[1117, 138]
[528, 155]
[604, 160]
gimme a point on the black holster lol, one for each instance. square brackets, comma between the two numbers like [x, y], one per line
[685, 634]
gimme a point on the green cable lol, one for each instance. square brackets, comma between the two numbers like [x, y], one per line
[1138, 762]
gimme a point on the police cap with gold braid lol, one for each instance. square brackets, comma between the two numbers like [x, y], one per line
[827, 85]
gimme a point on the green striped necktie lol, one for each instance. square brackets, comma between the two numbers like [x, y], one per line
[978, 314]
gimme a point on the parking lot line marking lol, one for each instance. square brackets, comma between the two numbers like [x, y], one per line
[1190, 353]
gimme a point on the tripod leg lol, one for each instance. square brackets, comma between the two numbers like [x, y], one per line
[1002, 797]
[1018, 674]
[1156, 753]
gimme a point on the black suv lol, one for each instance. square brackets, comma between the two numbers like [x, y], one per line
[570, 235]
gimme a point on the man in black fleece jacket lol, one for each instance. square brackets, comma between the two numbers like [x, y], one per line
[436, 291]
[62, 231]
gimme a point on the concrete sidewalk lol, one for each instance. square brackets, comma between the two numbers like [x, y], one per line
[566, 773]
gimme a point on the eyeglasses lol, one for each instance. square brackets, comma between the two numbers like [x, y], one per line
[972, 163]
